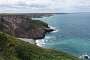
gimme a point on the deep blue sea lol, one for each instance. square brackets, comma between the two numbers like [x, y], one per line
[72, 33]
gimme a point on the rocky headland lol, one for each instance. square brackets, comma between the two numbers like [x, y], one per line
[22, 26]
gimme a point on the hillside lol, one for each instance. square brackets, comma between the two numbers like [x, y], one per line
[14, 49]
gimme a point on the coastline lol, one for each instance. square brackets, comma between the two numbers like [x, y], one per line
[24, 27]
[40, 42]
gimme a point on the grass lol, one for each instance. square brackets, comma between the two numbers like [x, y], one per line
[15, 49]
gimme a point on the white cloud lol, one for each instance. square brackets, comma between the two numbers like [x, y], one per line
[44, 5]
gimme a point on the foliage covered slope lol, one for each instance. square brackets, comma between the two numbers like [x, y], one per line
[14, 49]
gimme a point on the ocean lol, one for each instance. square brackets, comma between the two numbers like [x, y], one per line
[72, 33]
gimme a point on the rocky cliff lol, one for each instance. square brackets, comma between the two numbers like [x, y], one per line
[23, 26]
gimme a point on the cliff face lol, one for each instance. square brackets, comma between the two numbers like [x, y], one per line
[22, 26]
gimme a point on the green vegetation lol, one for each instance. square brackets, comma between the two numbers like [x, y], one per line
[39, 24]
[15, 49]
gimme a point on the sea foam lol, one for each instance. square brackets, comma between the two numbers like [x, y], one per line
[40, 42]
[55, 29]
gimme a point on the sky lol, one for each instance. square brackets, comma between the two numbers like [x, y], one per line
[44, 6]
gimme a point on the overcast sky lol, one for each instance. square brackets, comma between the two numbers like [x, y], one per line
[33, 6]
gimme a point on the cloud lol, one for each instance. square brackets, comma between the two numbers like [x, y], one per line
[44, 5]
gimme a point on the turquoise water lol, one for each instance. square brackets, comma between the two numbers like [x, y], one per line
[73, 33]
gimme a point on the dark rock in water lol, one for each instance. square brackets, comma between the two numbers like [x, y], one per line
[23, 26]
[86, 57]
[48, 29]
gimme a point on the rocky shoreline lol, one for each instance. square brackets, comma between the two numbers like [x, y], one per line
[22, 26]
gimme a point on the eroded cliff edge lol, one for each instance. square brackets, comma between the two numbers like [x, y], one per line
[23, 26]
